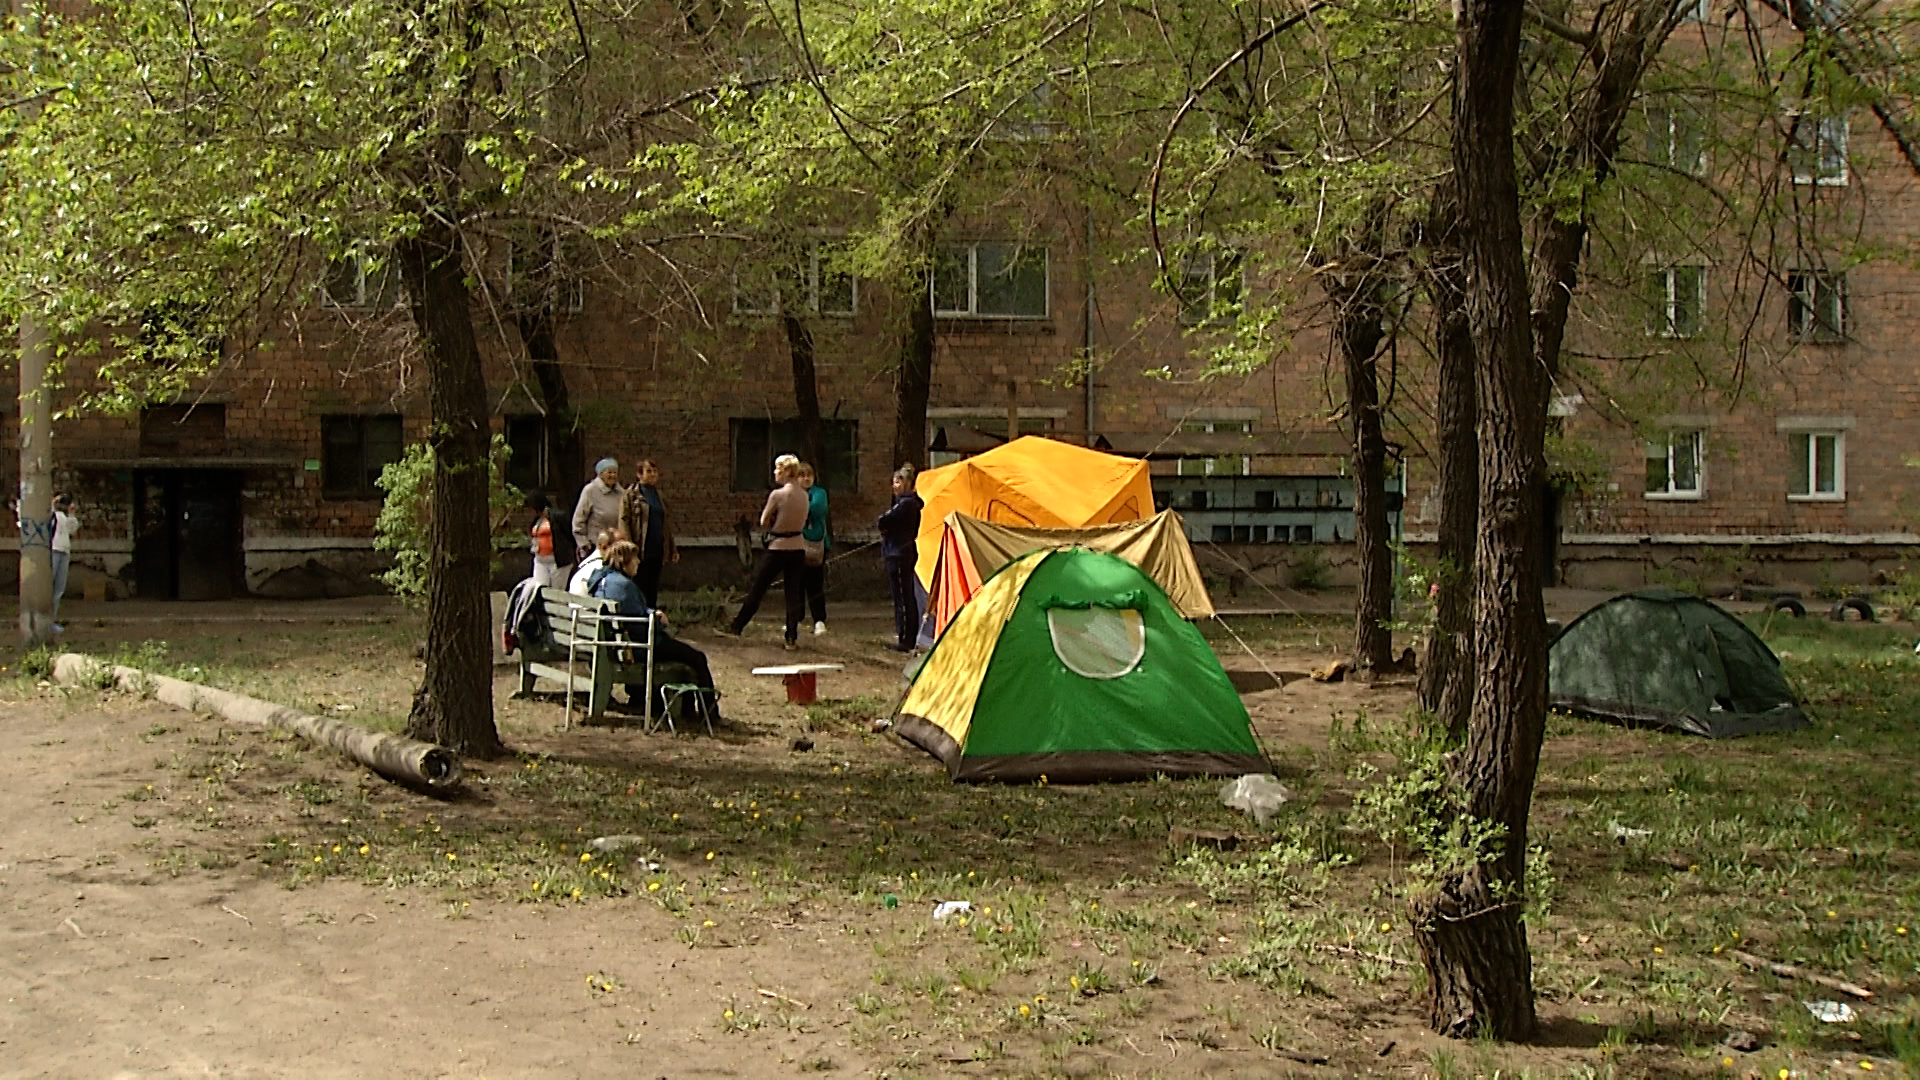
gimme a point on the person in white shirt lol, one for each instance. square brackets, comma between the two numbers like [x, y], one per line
[581, 583]
[64, 526]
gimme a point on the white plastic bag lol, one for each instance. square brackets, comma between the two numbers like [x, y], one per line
[1830, 1012]
[1256, 793]
[946, 909]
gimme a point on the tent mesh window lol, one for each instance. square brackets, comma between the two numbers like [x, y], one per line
[1098, 642]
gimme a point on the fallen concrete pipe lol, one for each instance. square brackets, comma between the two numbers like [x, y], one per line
[408, 761]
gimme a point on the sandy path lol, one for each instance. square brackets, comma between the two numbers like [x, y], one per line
[110, 966]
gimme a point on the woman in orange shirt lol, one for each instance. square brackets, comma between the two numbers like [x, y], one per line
[546, 573]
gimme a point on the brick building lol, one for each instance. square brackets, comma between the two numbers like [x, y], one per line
[261, 479]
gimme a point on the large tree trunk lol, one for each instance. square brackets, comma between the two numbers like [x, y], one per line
[806, 394]
[454, 705]
[1360, 333]
[36, 485]
[1446, 675]
[913, 382]
[1468, 926]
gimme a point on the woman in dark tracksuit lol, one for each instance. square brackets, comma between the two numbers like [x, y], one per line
[899, 529]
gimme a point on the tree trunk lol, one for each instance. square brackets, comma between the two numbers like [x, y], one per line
[1468, 927]
[454, 705]
[1360, 334]
[36, 485]
[566, 464]
[1446, 676]
[806, 394]
[914, 380]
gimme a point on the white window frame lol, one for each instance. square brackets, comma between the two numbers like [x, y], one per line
[1209, 466]
[1669, 325]
[1206, 264]
[1665, 126]
[1805, 290]
[1826, 153]
[1695, 11]
[972, 311]
[1813, 437]
[1694, 438]
[814, 276]
[364, 299]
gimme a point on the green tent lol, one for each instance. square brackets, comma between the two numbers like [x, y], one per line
[1667, 659]
[1073, 665]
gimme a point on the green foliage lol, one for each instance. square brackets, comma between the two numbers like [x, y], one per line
[37, 662]
[406, 516]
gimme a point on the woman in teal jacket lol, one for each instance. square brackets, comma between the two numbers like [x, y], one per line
[815, 534]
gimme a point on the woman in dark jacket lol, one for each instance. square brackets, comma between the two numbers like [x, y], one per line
[615, 582]
[899, 530]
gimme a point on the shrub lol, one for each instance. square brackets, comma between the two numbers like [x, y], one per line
[407, 512]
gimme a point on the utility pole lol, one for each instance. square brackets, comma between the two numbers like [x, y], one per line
[36, 445]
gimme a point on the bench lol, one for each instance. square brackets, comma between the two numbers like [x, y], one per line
[588, 633]
[801, 679]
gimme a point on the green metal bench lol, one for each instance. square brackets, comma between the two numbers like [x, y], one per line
[590, 638]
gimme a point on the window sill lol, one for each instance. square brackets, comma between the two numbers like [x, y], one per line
[1676, 496]
[1839, 340]
[1824, 497]
[992, 324]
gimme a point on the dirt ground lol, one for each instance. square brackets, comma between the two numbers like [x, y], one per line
[181, 897]
[133, 948]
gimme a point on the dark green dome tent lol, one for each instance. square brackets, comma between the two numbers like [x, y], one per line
[1667, 659]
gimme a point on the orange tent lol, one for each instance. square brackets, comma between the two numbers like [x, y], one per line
[1034, 482]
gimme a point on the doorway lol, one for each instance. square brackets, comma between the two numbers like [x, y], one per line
[187, 538]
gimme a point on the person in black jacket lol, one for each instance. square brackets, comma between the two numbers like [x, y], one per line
[899, 529]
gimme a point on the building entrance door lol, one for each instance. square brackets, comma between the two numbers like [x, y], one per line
[187, 540]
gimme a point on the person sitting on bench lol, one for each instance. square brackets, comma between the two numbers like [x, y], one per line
[618, 585]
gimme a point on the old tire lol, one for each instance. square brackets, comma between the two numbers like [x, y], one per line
[1852, 603]
[1791, 605]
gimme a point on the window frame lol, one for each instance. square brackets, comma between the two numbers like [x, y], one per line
[1667, 313]
[365, 298]
[1191, 314]
[569, 287]
[759, 477]
[1209, 465]
[815, 275]
[1830, 132]
[1695, 436]
[1805, 291]
[1813, 437]
[972, 310]
[1672, 123]
[368, 489]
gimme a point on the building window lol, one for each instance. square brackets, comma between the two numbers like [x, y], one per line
[1223, 465]
[354, 450]
[1032, 117]
[1818, 469]
[1676, 138]
[991, 281]
[358, 282]
[1697, 11]
[1677, 298]
[1210, 285]
[1818, 150]
[175, 334]
[527, 453]
[1817, 306]
[756, 442]
[1673, 466]
[544, 270]
[820, 281]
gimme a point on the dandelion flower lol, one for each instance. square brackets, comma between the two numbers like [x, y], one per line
[1726, 1063]
[1074, 982]
[1785, 1073]
[728, 1014]
[709, 856]
[1039, 999]
[1866, 1066]
[1658, 951]
[586, 856]
[1026, 1010]
[1832, 915]
[1901, 930]
[336, 849]
[451, 857]
[576, 894]
[708, 923]
[365, 850]
[653, 886]
[317, 858]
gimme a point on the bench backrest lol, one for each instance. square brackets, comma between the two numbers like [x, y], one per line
[562, 619]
